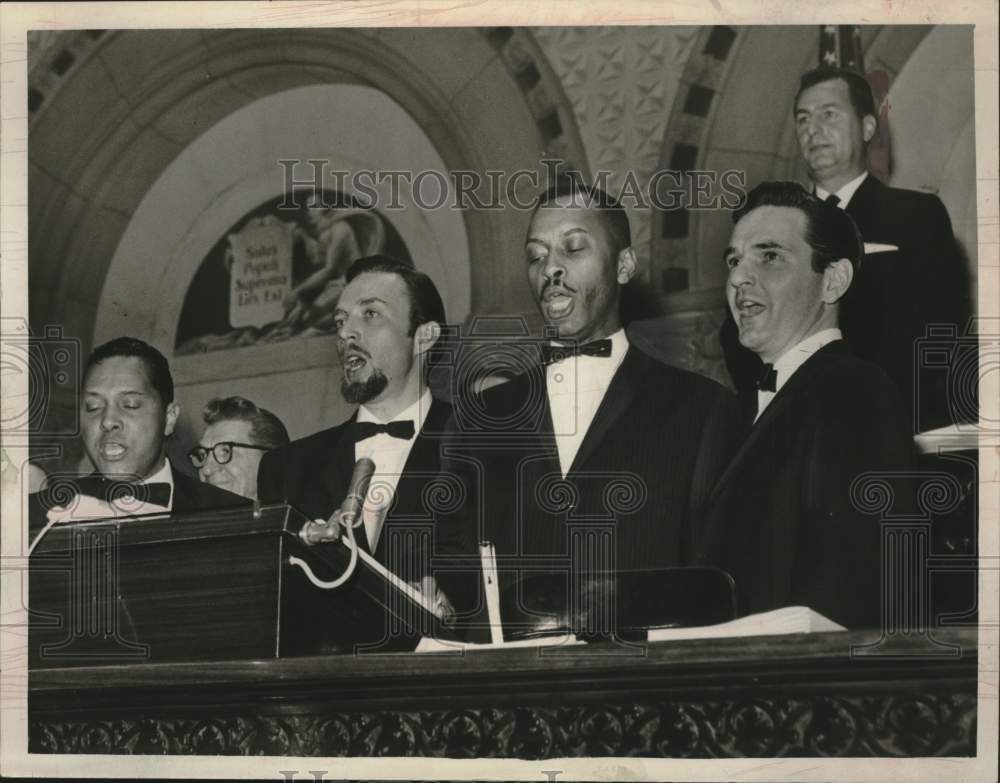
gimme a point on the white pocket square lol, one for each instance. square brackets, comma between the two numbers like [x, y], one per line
[875, 247]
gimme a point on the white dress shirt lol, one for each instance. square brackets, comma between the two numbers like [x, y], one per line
[791, 360]
[575, 388]
[846, 193]
[389, 455]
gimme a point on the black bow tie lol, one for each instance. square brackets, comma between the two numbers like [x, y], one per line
[768, 380]
[403, 430]
[556, 353]
[124, 493]
[833, 199]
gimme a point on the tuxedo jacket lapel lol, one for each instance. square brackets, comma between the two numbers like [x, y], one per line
[617, 398]
[423, 459]
[772, 415]
[863, 206]
[335, 476]
[541, 418]
[422, 464]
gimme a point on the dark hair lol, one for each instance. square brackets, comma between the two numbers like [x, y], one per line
[266, 429]
[830, 232]
[425, 301]
[613, 213]
[156, 362]
[858, 88]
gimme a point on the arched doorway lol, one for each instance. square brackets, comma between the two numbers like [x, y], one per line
[111, 112]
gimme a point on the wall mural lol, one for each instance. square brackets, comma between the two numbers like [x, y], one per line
[277, 273]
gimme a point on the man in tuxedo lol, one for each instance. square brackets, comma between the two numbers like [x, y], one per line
[914, 275]
[388, 318]
[127, 411]
[598, 457]
[782, 520]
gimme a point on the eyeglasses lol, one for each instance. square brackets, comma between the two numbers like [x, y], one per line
[222, 451]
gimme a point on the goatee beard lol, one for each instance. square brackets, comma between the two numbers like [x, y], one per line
[360, 392]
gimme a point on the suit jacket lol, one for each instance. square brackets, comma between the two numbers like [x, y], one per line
[900, 294]
[781, 519]
[895, 296]
[190, 494]
[312, 475]
[658, 441]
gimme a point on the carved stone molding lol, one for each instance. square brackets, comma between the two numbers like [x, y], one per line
[918, 724]
[621, 83]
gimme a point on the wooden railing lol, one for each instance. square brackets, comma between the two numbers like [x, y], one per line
[836, 694]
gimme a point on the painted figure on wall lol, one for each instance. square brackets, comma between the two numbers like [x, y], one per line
[278, 273]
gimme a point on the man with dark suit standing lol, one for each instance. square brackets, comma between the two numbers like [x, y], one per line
[599, 457]
[388, 318]
[913, 276]
[781, 519]
[127, 411]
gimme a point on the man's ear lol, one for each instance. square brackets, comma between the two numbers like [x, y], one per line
[425, 337]
[837, 278]
[627, 265]
[868, 127]
[173, 411]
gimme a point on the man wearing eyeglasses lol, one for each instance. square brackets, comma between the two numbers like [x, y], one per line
[236, 438]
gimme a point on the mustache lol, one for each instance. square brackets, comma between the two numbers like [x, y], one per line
[353, 348]
[556, 285]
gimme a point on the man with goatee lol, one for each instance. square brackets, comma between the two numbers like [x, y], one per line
[388, 318]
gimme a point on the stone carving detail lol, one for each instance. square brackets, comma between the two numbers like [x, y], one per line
[51, 55]
[621, 82]
[881, 725]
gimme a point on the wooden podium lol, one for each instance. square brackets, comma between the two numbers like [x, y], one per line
[205, 586]
[195, 635]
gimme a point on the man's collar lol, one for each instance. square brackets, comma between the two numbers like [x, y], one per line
[796, 356]
[417, 412]
[164, 475]
[845, 193]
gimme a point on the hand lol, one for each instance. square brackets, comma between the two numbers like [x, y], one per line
[319, 531]
[442, 607]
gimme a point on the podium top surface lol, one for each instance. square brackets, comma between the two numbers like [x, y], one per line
[190, 526]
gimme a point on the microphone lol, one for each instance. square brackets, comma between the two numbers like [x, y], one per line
[349, 514]
[350, 509]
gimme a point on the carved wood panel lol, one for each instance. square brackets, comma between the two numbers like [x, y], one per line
[924, 724]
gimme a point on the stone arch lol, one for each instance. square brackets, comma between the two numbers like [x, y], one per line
[110, 110]
[728, 117]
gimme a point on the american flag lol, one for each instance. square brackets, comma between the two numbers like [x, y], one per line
[840, 46]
